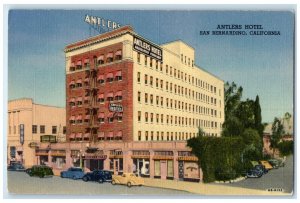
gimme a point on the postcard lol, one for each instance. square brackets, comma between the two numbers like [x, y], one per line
[173, 102]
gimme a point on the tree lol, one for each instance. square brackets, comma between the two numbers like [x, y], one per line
[286, 147]
[257, 117]
[253, 145]
[277, 133]
[200, 132]
[287, 117]
[232, 96]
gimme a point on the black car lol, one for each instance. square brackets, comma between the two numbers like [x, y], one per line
[261, 168]
[15, 167]
[98, 175]
[253, 173]
[40, 171]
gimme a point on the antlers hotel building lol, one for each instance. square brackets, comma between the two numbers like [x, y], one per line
[132, 104]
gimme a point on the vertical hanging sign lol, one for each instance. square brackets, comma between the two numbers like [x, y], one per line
[22, 134]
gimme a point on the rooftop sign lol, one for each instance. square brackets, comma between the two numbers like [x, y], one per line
[100, 22]
[146, 48]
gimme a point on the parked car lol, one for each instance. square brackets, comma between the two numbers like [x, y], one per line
[128, 179]
[40, 171]
[276, 163]
[15, 167]
[261, 168]
[266, 164]
[253, 173]
[73, 172]
[98, 175]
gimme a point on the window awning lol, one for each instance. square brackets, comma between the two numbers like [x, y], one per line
[119, 93]
[72, 135]
[87, 117]
[110, 134]
[119, 134]
[109, 75]
[101, 115]
[87, 135]
[72, 118]
[79, 81]
[119, 73]
[79, 117]
[101, 134]
[100, 96]
[120, 114]
[79, 99]
[118, 53]
[73, 64]
[86, 79]
[110, 55]
[86, 60]
[100, 77]
[110, 94]
[111, 114]
[100, 58]
[72, 82]
[78, 135]
[78, 63]
[72, 100]
[86, 98]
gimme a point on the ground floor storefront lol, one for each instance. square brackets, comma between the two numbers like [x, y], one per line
[160, 160]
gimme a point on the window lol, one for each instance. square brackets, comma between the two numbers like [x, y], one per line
[139, 116]
[157, 100]
[139, 96]
[167, 69]
[151, 117]
[146, 98]
[42, 129]
[139, 135]
[146, 79]
[157, 135]
[139, 77]
[138, 57]
[192, 63]
[151, 80]
[157, 118]
[110, 119]
[162, 118]
[151, 98]
[156, 65]
[146, 135]
[145, 60]
[161, 101]
[54, 129]
[156, 82]
[171, 70]
[34, 129]
[161, 66]
[151, 135]
[151, 62]
[146, 117]
[181, 58]
[119, 75]
[118, 55]
[161, 84]
[64, 130]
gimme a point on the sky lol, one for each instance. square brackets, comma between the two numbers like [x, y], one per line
[262, 65]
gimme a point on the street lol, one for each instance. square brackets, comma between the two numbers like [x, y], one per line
[22, 183]
[276, 178]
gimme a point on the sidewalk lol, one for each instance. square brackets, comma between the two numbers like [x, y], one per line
[206, 189]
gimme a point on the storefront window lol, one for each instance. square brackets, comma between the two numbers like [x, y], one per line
[170, 172]
[156, 168]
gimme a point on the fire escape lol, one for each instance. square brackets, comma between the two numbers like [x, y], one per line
[91, 106]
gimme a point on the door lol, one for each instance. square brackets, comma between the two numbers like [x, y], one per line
[163, 168]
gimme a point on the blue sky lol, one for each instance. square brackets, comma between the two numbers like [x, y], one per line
[262, 65]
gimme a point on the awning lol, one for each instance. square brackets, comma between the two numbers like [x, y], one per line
[100, 58]
[79, 117]
[86, 60]
[79, 99]
[101, 115]
[110, 55]
[110, 94]
[72, 100]
[87, 117]
[79, 81]
[118, 53]
[100, 96]
[111, 114]
[86, 98]
[72, 118]
[119, 73]
[78, 63]
[72, 135]
[119, 134]
[72, 82]
[78, 135]
[73, 64]
[119, 93]
[110, 134]
[120, 114]
[86, 79]
[100, 77]
[101, 134]
[109, 75]
[87, 135]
